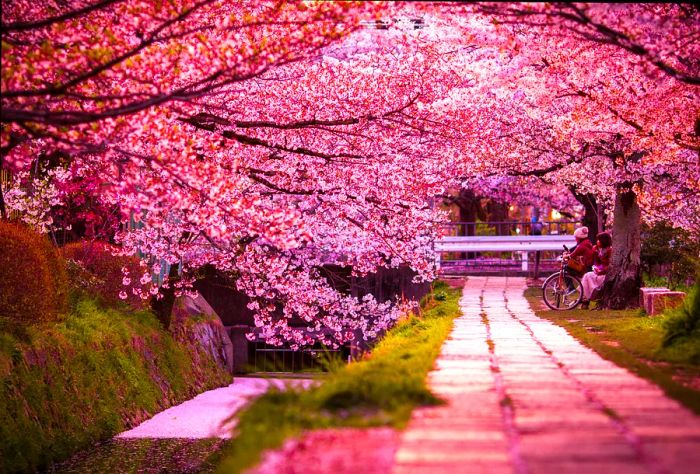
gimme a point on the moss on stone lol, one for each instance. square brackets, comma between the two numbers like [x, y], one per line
[101, 370]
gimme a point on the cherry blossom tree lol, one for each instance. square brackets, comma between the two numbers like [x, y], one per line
[321, 183]
[269, 139]
[663, 37]
[83, 75]
[268, 173]
[602, 98]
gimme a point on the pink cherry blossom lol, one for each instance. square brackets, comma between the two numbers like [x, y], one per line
[271, 139]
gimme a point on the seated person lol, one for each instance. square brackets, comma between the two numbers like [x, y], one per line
[582, 252]
[601, 263]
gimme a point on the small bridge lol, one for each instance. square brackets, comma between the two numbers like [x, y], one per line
[521, 246]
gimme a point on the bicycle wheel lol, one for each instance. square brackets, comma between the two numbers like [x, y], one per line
[563, 295]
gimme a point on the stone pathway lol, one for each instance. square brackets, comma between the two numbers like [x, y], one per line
[336, 451]
[526, 397]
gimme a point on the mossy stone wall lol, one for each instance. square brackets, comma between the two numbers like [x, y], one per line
[67, 385]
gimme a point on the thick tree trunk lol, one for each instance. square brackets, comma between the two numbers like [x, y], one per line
[163, 308]
[621, 287]
[593, 212]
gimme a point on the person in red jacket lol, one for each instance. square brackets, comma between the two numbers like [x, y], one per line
[601, 264]
[583, 251]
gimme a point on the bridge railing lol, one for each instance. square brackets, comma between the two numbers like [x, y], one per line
[501, 243]
[503, 246]
[511, 228]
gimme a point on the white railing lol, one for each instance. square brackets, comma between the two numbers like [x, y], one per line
[516, 243]
[498, 243]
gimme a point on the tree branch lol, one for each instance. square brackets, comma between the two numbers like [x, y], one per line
[70, 15]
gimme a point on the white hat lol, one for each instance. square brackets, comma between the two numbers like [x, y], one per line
[581, 233]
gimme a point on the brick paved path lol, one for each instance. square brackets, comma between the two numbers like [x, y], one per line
[526, 397]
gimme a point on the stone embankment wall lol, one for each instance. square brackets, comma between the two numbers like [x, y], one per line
[65, 386]
[196, 324]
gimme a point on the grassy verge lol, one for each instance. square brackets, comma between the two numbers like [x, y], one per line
[140, 455]
[66, 385]
[633, 340]
[380, 390]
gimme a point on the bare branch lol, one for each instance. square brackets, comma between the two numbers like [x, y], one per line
[69, 15]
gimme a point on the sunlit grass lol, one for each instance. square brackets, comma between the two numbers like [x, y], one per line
[380, 390]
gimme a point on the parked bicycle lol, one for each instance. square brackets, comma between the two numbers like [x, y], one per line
[562, 290]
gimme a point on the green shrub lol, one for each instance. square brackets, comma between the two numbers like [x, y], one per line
[33, 280]
[675, 249]
[684, 321]
[94, 270]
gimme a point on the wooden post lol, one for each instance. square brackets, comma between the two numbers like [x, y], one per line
[537, 264]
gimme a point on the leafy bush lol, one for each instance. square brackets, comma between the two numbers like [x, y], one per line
[33, 280]
[684, 321]
[663, 245]
[93, 269]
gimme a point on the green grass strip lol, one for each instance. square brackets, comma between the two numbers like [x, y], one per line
[634, 341]
[380, 390]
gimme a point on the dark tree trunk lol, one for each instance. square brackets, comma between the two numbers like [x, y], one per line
[3, 210]
[498, 212]
[593, 213]
[469, 210]
[621, 287]
[163, 308]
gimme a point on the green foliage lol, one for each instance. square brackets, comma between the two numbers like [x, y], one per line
[82, 380]
[483, 228]
[33, 281]
[95, 271]
[381, 389]
[682, 324]
[650, 280]
[665, 245]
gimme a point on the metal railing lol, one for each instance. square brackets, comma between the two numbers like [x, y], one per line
[503, 228]
[266, 358]
[504, 243]
[504, 247]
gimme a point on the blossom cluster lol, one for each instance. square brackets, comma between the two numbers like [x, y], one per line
[268, 139]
